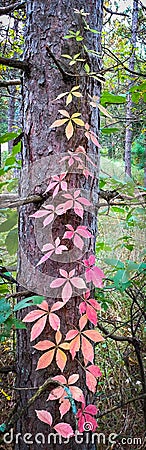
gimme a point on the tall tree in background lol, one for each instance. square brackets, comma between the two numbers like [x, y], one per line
[129, 115]
[47, 23]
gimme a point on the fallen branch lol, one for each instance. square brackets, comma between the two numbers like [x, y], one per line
[16, 63]
[7, 83]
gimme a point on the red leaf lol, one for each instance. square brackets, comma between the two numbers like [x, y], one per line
[78, 209]
[83, 321]
[82, 230]
[64, 429]
[44, 416]
[38, 328]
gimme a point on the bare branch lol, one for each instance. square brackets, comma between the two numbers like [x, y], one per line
[122, 405]
[16, 63]
[109, 11]
[7, 83]
[140, 74]
[12, 7]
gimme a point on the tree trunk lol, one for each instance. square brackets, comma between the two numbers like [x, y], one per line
[129, 115]
[47, 23]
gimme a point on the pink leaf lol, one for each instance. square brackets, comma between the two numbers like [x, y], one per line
[33, 315]
[44, 345]
[71, 273]
[73, 378]
[64, 407]
[95, 304]
[60, 379]
[91, 382]
[54, 321]
[56, 306]
[64, 185]
[95, 370]
[87, 350]
[51, 186]
[48, 219]
[94, 140]
[38, 328]
[71, 335]
[68, 235]
[67, 292]
[92, 421]
[83, 232]
[45, 257]
[88, 275]
[68, 205]
[56, 191]
[84, 201]
[91, 409]
[82, 307]
[56, 393]
[39, 214]
[63, 273]
[82, 322]
[78, 242]
[44, 416]
[78, 209]
[77, 393]
[64, 430]
[78, 283]
[43, 305]
[97, 277]
[57, 283]
[91, 314]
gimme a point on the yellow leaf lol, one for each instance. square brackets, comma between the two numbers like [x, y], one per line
[60, 96]
[75, 115]
[69, 99]
[75, 88]
[79, 122]
[69, 130]
[77, 94]
[5, 394]
[64, 113]
[58, 123]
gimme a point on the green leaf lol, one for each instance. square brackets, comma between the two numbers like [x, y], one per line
[107, 97]
[9, 223]
[16, 149]
[29, 301]
[8, 137]
[10, 161]
[87, 68]
[11, 241]
[114, 263]
[109, 130]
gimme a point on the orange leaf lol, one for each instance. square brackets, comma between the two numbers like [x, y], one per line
[75, 346]
[61, 359]
[58, 337]
[91, 382]
[69, 130]
[94, 335]
[79, 122]
[46, 359]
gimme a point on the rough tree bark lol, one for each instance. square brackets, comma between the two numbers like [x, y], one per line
[47, 22]
[129, 115]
